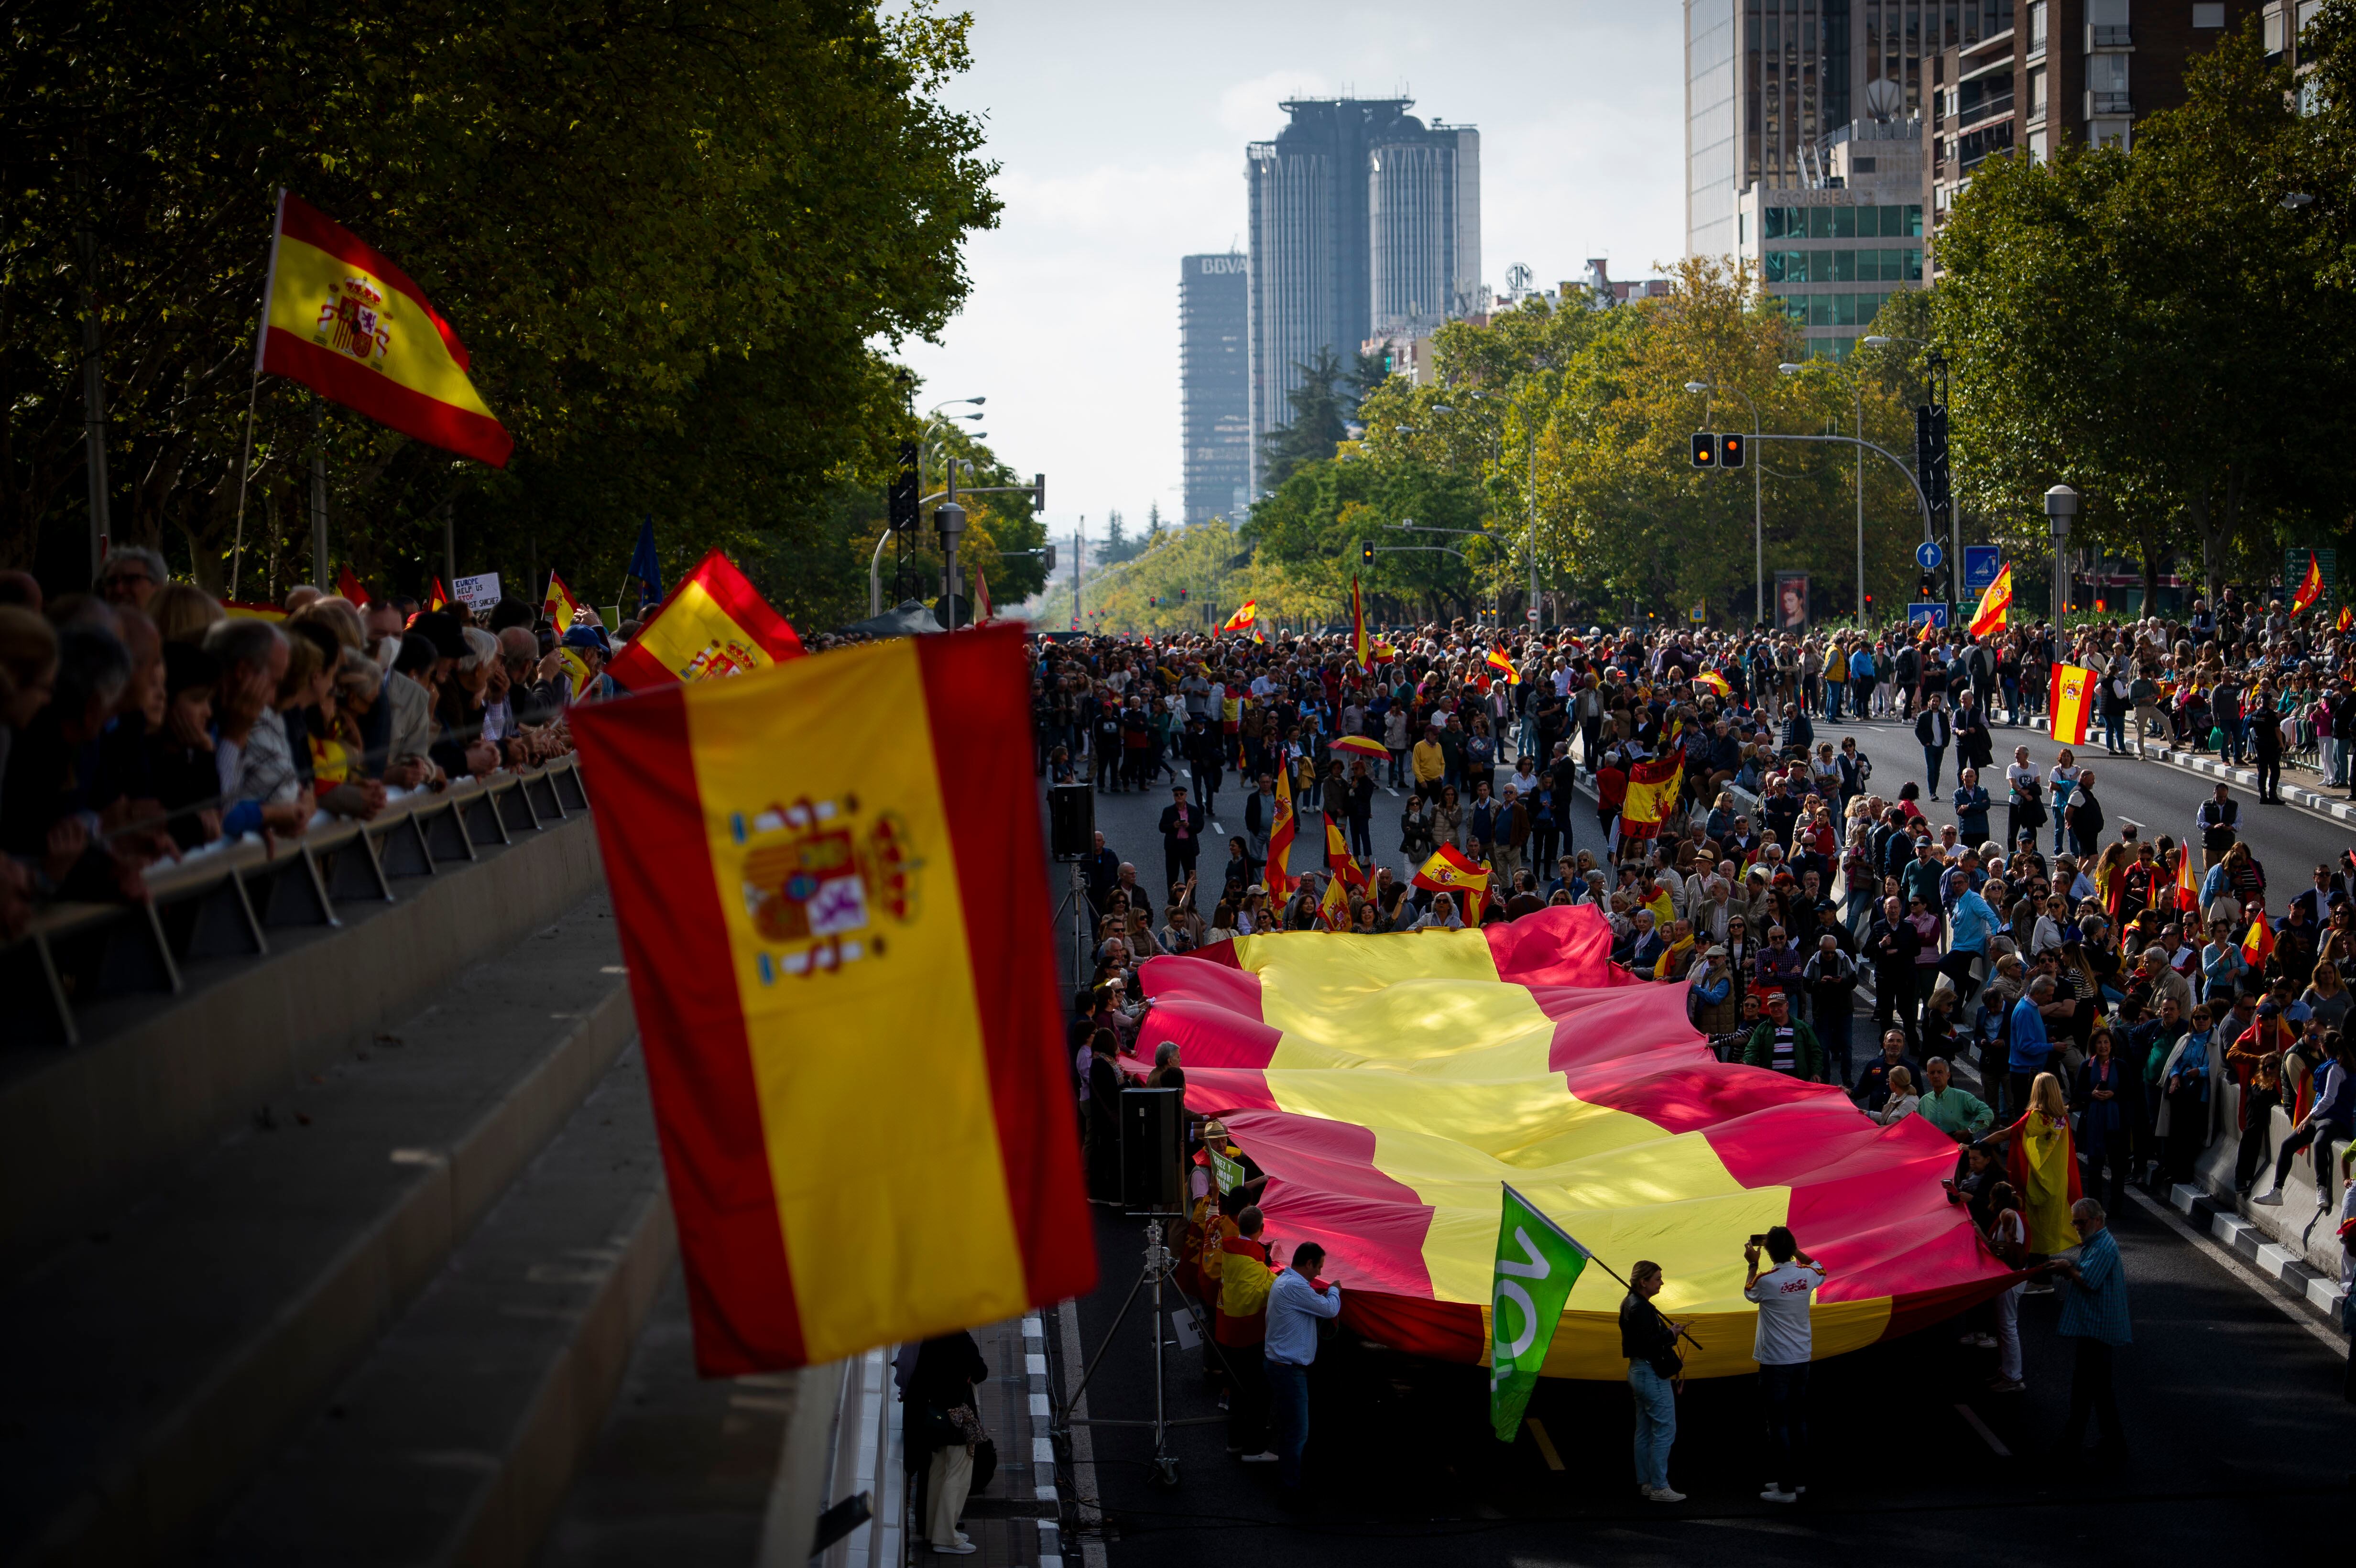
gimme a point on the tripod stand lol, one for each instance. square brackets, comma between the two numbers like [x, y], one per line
[1159, 1263]
[1076, 899]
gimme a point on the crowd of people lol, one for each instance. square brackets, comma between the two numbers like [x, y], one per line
[2125, 999]
[150, 720]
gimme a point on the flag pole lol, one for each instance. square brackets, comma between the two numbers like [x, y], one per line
[244, 472]
[1598, 1262]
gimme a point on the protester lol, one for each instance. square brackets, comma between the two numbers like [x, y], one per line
[1297, 1301]
[939, 1397]
[1654, 1373]
[1783, 1347]
[2094, 1314]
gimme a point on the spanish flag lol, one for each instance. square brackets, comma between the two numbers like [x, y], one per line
[1710, 680]
[1246, 617]
[1279, 835]
[1451, 872]
[558, 603]
[576, 670]
[713, 623]
[830, 862]
[436, 599]
[1334, 908]
[1343, 864]
[1503, 664]
[2258, 942]
[1990, 615]
[1654, 787]
[1388, 1085]
[2345, 619]
[252, 610]
[2188, 882]
[2068, 700]
[340, 318]
[2310, 588]
[347, 587]
[1361, 647]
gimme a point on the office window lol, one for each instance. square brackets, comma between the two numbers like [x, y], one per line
[2211, 16]
[1914, 220]
[1820, 223]
[1844, 222]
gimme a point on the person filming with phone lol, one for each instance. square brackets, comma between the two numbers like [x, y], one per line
[1783, 1350]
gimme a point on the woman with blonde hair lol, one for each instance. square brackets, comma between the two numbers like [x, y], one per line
[2041, 1160]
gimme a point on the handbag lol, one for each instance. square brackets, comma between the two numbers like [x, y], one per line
[985, 1465]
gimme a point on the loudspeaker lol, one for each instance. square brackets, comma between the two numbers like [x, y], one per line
[1151, 1164]
[1071, 821]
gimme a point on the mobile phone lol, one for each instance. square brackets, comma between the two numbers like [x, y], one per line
[1757, 1240]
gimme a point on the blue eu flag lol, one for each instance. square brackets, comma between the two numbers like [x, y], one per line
[643, 564]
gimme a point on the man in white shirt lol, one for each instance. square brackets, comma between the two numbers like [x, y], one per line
[1783, 1350]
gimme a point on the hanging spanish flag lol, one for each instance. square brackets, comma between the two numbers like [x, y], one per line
[831, 859]
[1279, 835]
[558, 603]
[1344, 865]
[1503, 664]
[714, 624]
[2258, 942]
[1361, 647]
[1654, 787]
[1243, 619]
[2310, 588]
[1990, 615]
[2068, 702]
[339, 317]
[1453, 871]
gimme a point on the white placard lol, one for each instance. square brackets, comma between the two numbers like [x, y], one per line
[478, 593]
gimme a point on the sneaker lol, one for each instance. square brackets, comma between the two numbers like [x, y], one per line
[2038, 1287]
[2271, 1200]
[1259, 1458]
[2007, 1385]
[958, 1549]
[1663, 1494]
[1778, 1495]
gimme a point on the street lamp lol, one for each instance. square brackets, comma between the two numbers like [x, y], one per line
[1758, 509]
[1857, 384]
[2060, 506]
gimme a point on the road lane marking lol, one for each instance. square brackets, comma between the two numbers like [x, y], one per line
[1545, 1443]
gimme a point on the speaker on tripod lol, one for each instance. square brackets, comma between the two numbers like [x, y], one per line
[1071, 821]
[1152, 1163]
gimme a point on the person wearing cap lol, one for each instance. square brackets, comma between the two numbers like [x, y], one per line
[589, 647]
[1786, 1043]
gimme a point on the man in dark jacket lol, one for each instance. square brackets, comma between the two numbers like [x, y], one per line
[1786, 1044]
[1182, 837]
[1933, 730]
[1891, 946]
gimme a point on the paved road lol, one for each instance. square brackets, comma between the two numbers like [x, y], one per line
[2240, 1438]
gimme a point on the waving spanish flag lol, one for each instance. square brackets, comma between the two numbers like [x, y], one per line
[1279, 835]
[1246, 617]
[1990, 615]
[2258, 942]
[1361, 649]
[1333, 906]
[714, 624]
[1343, 864]
[2068, 703]
[2345, 619]
[1710, 680]
[2187, 882]
[434, 598]
[1655, 785]
[558, 604]
[2311, 587]
[349, 588]
[339, 317]
[826, 860]
[1453, 871]
[1500, 662]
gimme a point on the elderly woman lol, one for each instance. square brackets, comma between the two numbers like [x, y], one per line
[1904, 1101]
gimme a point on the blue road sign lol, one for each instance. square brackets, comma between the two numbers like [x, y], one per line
[1928, 555]
[1922, 610]
[1981, 564]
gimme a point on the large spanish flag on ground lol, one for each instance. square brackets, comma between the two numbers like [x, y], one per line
[829, 869]
[2069, 702]
[714, 623]
[1390, 1084]
[339, 317]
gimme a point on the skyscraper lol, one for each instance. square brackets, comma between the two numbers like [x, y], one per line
[1364, 220]
[1214, 384]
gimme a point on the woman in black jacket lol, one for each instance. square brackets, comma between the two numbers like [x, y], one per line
[1650, 1342]
[939, 1397]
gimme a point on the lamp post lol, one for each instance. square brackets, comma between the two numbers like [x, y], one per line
[951, 520]
[1758, 511]
[2061, 506]
[1857, 384]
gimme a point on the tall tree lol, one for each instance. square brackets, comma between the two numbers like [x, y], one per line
[1320, 406]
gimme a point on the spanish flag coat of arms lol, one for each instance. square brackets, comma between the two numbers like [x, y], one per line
[828, 874]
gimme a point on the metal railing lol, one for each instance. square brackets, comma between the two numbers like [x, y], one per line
[223, 901]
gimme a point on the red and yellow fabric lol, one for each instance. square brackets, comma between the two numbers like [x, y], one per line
[2310, 588]
[1361, 647]
[2345, 619]
[1654, 787]
[558, 603]
[2041, 1162]
[1248, 616]
[1450, 871]
[825, 870]
[347, 587]
[2258, 942]
[252, 610]
[714, 624]
[1503, 664]
[2188, 881]
[2070, 700]
[1280, 837]
[1710, 680]
[1364, 746]
[1994, 604]
[982, 610]
[1338, 858]
[436, 599]
[339, 317]
[1389, 1084]
[1334, 905]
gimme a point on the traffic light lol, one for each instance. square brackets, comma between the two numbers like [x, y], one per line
[1366, 553]
[1182, 596]
[903, 495]
[1705, 449]
[1729, 452]
[1927, 586]
[1051, 560]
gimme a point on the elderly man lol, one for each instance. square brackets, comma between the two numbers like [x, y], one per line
[1956, 1111]
[1786, 1043]
[2094, 1314]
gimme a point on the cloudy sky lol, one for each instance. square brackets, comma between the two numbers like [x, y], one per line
[1121, 132]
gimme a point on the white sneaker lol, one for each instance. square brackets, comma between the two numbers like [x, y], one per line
[1778, 1495]
[2271, 1200]
[961, 1548]
[1663, 1494]
[1259, 1458]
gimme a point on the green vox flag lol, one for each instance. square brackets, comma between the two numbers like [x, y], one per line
[1537, 1262]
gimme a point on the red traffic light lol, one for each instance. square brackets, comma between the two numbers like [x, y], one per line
[1705, 449]
[1729, 452]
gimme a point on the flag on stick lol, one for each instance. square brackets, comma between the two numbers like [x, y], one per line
[1361, 649]
[436, 599]
[829, 858]
[349, 587]
[1333, 906]
[2258, 942]
[1338, 857]
[2311, 587]
[644, 565]
[717, 624]
[339, 317]
[1245, 619]
[1655, 785]
[1503, 664]
[2345, 619]
[1537, 1262]
[2067, 703]
[1710, 680]
[1994, 604]
[1280, 837]
[558, 603]
[1453, 871]
[2188, 884]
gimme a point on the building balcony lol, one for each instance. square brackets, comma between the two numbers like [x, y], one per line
[2108, 38]
[2108, 103]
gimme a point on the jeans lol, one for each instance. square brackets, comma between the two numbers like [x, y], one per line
[2091, 1393]
[1833, 690]
[2115, 729]
[1656, 1423]
[1785, 1391]
[1287, 1391]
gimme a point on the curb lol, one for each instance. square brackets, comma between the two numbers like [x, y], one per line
[2334, 806]
[2318, 1292]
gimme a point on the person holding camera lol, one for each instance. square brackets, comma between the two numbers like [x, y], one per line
[1784, 1346]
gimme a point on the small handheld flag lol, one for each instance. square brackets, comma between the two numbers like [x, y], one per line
[1710, 680]
[436, 599]
[558, 603]
[1245, 618]
[1333, 906]
[644, 565]
[717, 624]
[1344, 865]
[1504, 666]
[339, 317]
[349, 587]
[2345, 619]
[2067, 703]
[2187, 887]
[1537, 1264]
[2311, 587]
[1994, 604]
[2258, 942]
[1453, 871]
[1279, 837]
